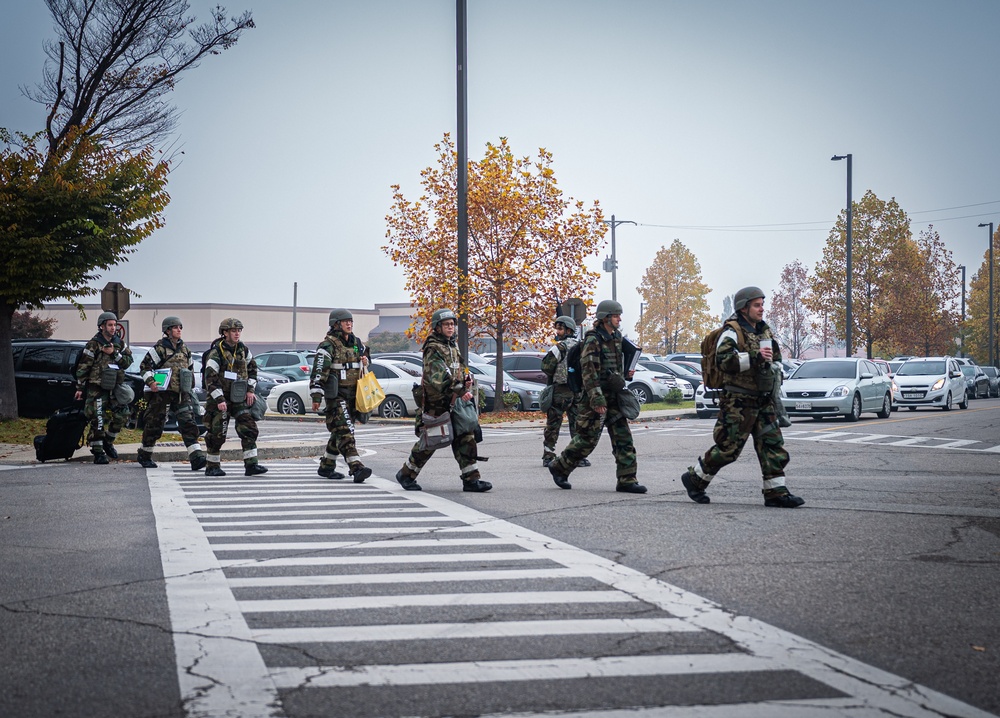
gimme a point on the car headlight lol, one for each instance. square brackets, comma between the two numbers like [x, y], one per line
[841, 390]
[938, 384]
[532, 393]
[683, 384]
[663, 380]
[894, 387]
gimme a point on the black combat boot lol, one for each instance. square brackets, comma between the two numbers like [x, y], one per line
[473, 483]
[214, 470]
[359, 472]
[695, 487]
[583, 462]
[329, 472]
[198, 461]
[562, 481]
[547, 460]
[101, 458]
[630, 487]
[406, 481]
[145, 459]
[254, 469]
[110, 450]
[783, 501]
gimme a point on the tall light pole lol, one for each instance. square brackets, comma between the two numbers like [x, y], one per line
[850, 201]
[642, 306]
[990, 260]
[961, 325]
[611, 263]
[462, 142]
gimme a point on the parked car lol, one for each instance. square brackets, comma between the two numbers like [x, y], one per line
[526, 366]
[395, 378]
[977, 384]
[678, 371]
[706, 402]
[654, 386]
[845, 386]
[993, 374]
[696, 368]
[527, 391]
[684, 356]
[293, 364]
[930, 381]
[411, 357]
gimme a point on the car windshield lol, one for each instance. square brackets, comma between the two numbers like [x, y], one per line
[969, 370]
[826, 370]
[408, 368]
[489, 370]
[921, 368]
[990, 371]
[682, 369]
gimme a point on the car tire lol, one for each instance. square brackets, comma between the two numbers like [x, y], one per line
[965, 402]
[855, 412]
[641, 391]
[949, 403]
[290, 403]
[886, 408]
[392, 407]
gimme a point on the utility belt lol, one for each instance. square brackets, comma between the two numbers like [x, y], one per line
[740, 391]
[347, 365]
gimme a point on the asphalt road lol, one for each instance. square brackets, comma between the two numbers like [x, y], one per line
[878, 597]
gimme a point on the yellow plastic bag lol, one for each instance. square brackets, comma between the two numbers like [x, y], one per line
[369, 393]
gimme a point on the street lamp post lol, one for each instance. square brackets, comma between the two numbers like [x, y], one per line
[990, 260]
[642, 306]
[611, 263]
[961, 325]
[850, 317]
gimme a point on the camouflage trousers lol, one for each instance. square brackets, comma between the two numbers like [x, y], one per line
[217, 424]
[340, 423]
[106, 418]
[157, 404]
[739, 418]
[464, 450]
[564, 401]
[588, 432]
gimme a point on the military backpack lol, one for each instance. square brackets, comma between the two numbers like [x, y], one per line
[712, 375]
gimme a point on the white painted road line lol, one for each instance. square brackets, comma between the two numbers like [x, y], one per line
[352, 579]
[511, 598]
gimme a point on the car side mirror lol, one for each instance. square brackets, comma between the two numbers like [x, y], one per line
[866, 375]
[956, 374]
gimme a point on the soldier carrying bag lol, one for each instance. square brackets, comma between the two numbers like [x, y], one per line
[436, 431]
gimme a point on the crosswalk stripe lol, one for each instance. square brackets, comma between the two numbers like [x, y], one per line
[511, 598]
[351, 579]
[298, 561]
[452, 631]
[305, 546]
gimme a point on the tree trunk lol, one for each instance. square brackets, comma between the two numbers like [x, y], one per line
[498, 404]
[8, 392]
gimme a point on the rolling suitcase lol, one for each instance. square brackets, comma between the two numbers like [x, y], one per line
[63, 435]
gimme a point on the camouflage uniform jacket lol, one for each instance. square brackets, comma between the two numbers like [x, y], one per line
[601, 365]
[444, 374]
[554, 361]
[340, 353]
[165, 355]
[746, 370]
[223, 358]
[93, 360]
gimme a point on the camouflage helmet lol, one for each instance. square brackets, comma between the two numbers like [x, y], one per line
[170, 322]
[566, 322]
[339, 315]
[440, 315]
[607, 308]
[745, 296]
[229, 323]
[105, 317]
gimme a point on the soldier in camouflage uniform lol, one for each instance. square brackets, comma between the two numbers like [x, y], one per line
[170, 353]
[445, 379]
[101, 369]
[230, 378]
[602, 367]
[564, 400]
[335, 373]
[745, 352]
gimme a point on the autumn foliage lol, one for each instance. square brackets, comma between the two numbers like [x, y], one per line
[676, 316]
[527, 245]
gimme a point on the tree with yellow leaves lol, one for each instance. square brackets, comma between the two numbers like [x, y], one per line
[676, 315]
[526, 248]
[977, 332]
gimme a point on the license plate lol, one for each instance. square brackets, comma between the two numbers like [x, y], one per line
[911, 395]
[803, 406]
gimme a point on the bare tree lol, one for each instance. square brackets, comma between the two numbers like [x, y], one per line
[115, 61]
[788, 316]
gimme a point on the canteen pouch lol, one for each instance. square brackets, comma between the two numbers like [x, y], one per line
[238, 391]
[628, 404]
[545, 397]
[109, 377]
[464, 417]
[258, 408]
[436, 431]
[123, 394]
[186, 379]
[331, 389]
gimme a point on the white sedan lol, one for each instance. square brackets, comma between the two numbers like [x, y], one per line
[396, 378]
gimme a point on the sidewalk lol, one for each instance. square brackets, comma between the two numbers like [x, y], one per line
[22, 455]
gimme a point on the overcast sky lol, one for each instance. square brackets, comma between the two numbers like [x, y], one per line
[709, 121]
